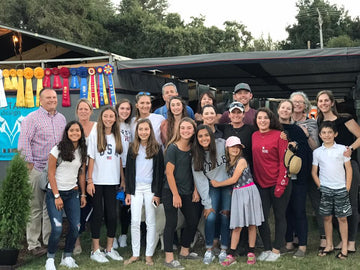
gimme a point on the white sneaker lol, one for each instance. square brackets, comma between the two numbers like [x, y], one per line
[113, 254]
[122, 240]
[115, 244]
[208, 257]
[98, 256]
[50, 264]
[272, 257]
[68, 262]
[222, 255]
[264, 255]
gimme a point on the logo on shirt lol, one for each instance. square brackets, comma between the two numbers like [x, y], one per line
[264, 150]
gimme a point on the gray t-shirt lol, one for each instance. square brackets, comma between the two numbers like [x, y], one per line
[182, 172]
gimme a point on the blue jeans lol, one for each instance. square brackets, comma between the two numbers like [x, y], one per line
[221, 202]
[72, 209]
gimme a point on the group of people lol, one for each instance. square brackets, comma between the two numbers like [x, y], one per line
[229, 168]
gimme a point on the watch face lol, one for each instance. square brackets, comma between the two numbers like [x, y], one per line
[57, 196]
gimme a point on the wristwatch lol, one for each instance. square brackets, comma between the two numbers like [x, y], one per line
[57, 196]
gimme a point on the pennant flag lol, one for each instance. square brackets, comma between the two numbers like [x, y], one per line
[109, 70]
[20, 99]
[65, 74]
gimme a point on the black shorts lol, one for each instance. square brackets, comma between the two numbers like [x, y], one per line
[334, 202]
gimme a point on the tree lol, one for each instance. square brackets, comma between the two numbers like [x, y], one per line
[342, 41]
[262, 44]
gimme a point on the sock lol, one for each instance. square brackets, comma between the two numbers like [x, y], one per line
[232, 252]
[251, 249]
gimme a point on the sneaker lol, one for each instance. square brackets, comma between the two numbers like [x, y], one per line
[68, 262]
[222, 255]
[98, 256]
[272, 257]
[77, 250]
[229, 260]
[113, 254]
[50, 264]
[174, 264]
[115, 244]
[208, 257]
[263, 255]
[299, 254]
[122, 240]
[251, 259]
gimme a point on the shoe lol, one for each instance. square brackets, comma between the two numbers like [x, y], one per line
[229, 260]
[299, 254]
[222, 256]
[251, 258]
[208, 257]
[216, 251]
[50, 264]
[38, 251]
[77, 250]
[174, 264]
[115, 244]
[131, 260]
[113, 254]
[68, 262]
[190, 256]
[341, 256]
[122, 240]
[272, 257]
[98, 256]
[263, 255]
[324, 252]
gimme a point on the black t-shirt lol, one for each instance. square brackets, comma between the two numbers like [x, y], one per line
[182, 172]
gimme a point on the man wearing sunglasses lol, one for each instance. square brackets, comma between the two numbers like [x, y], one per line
[169, 90]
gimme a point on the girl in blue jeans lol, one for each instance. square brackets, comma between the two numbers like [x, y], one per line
[65, 160]
[209, 163]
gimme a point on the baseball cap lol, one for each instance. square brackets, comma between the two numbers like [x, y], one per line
[242, 86]
[232, 141]
[236, 105]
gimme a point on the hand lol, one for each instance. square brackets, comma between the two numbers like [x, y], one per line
[283, 136]
[59, 203]
[214, 183]
[128, 199]
[157, 200]
[294, 144]
[122, 186]
[195, 196]
[90, 189]
[177, 201]
[207, 212]
[82, 202]
[30, 166]
[347, 152]
[348, 187]
[303, 127]
[279, 191]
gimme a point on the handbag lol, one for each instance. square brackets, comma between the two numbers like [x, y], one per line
[44, 180]
[292, 162]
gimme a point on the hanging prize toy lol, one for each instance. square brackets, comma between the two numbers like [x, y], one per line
[20, 100]
[92, 86]
[65, 74]
[14, 80]
[103, 98]
[74, 83]
[3, 102]
[109, 70]
[29, 95]
[83, 73]
[47, 78]
[39, 75]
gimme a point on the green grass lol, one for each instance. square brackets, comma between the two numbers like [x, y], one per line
[311, 261]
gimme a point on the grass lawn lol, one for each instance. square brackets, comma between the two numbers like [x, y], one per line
[311, 261]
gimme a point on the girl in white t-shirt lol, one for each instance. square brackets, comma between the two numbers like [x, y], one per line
[65, 160]
[144, 178]
[104, 170]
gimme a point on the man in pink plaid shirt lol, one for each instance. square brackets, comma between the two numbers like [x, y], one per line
[40, 131]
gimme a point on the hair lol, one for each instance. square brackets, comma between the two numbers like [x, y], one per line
[83, 100]
[137, 98]
[274, 121]
[177, 136]
[152, 146]
[306, 100]
[168, 84]
[210, 95]
[171, 117]
[115, 129]
[320, 117]
[121, 101]
[208, 106]
[328, 124]
[230, 164]
[66, 146]
[199, 152]
[42, 90]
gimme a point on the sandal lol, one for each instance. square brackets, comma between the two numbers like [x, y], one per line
[341, 256]
[324, 252]
[149, 261]
[131, 260]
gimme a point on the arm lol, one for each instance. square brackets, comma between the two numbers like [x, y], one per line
[122, 175]
[169, 170]
[82, 186]
[27, 133]
[163, 131]
[202, 186]
[240, 167]
[51, 176]
[282, 179]
[90, 188]
[348, 170]
[354, 128]
[314, 174]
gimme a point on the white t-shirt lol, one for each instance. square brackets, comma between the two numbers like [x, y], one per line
[67, 172]
[331, 165]
[156, 120]
[126, 139]
[106, 164]
[144, 167]
[91, 131]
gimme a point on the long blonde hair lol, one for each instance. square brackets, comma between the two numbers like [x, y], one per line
[152, 146]
[115, 129]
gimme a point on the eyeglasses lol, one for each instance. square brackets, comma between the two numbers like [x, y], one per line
[144, 94]
[298, 102]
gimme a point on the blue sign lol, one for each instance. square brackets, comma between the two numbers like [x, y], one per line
[10, 120]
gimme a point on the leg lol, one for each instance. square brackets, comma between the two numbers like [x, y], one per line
[329, 233]
[252, 236]
[210, 222]
[150, 223]
[110, 214]
[225, 216]
[264, 229]
[353, 220]
[343, 226]
[299, 209]
[97, 215]
[136, 207]
[170, 224]
[235, 237]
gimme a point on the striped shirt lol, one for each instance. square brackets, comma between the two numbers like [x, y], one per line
[40, 131]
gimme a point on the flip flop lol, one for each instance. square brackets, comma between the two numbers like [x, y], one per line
[324, 253]
[341, 256]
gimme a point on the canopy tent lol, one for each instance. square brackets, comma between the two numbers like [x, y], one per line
[269, 73]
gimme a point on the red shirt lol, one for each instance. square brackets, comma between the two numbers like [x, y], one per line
[268, 151]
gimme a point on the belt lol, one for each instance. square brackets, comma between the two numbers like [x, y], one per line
[244, 186]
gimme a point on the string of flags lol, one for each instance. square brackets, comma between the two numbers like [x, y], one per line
[90, 81]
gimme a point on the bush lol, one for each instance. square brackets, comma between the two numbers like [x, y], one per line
[15, 196]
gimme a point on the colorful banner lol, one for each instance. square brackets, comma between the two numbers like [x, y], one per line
[10, 120]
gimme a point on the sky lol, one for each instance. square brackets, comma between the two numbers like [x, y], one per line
[259, 16]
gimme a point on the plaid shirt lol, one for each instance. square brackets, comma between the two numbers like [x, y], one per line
[40, 131]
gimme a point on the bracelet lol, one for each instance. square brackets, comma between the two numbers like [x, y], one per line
[83, 195]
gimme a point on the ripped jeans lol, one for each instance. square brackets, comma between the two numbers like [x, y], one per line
[71, 202]
[221, 202]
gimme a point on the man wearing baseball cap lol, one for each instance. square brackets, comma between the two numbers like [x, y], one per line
[242, 93]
